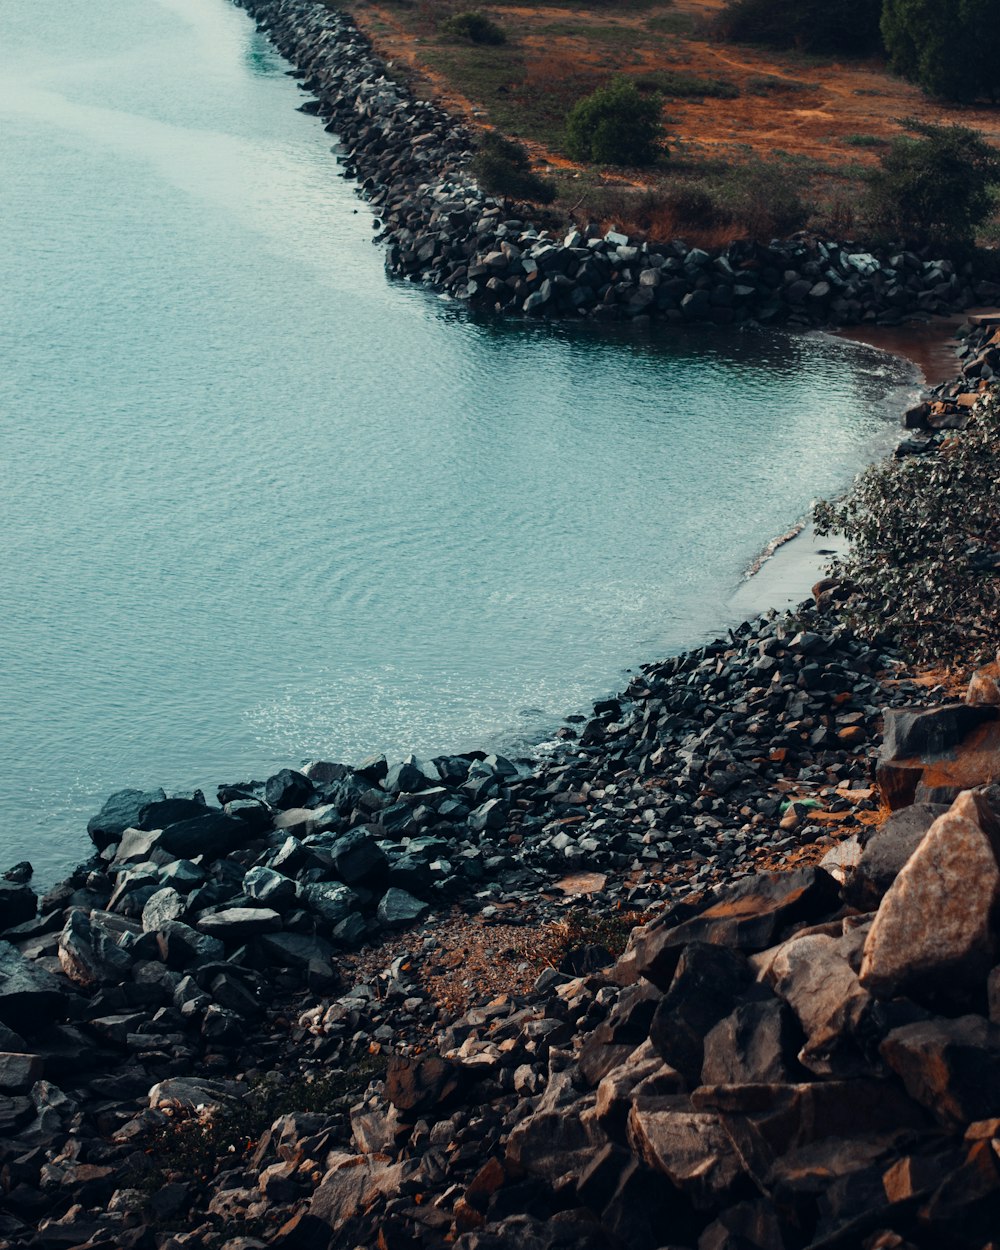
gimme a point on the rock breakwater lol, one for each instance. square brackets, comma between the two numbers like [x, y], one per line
[440, 229]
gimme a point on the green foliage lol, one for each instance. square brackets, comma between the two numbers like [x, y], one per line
[951, 48]
[763, 198]
[474, 26]
[680, 85]
[923, 535]
[503, 167]
[616, 125]
[836, 26]
[937, 187]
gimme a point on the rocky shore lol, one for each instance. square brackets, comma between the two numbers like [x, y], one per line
[440, 229]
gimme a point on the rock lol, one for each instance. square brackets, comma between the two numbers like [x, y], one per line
[329, 900]
[933, 933]
[489, 815]
[704, 988]
[398, 908]
[418, 1086]
[984, 687]
[20, 873]
[19, 1072]
[351, 1185]
[18, 903]
[886, 850]
[815, 979]
[163, 906]
[747, 916]
[754, 1045]
[180, 946]
[951, 1067]
[191, 1093]
[692, 1149]
[236, 923]
[920, 756]
[89, 954]
[122, 810]
[266, 886]
[288, 788]
[211, 835]
[358, 859]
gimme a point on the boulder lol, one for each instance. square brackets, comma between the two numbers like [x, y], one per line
[266, 886]
[398, 907]
[352, 1184]
[19, 1072]
[358, 859]
[18, 903]
[161, 907]
[210, 835]
[886, 850]
[331, 901]
[236, 923]
[951, 1067]
[755, 1044]
[122, 810]
[692, 1149]
[418, 1086]
[288, 788]
[934, 931]
[89, 954]
[931, 754]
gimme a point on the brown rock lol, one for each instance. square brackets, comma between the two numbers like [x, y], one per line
[752, 1045]
[951, 1067]
[692, 1149]
[886, 850]
[933, 754]
[984, 687]
[932, 932]
[352, 1184]
[816, 981]
[418, 1085]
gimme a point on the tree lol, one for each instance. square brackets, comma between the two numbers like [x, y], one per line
[934, 188]
[850, 26]
[502, 166]
[616, 125]
[951, 48]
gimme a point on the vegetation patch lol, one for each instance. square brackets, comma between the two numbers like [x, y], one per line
[474, 26]
[503, 167]
[676, 84]
[806, 25]
[616, 125]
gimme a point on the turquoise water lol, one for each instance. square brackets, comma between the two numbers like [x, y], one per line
[259, 504]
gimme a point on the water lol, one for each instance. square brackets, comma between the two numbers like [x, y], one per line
[260, 504]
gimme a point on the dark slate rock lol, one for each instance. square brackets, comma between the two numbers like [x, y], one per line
[288, 788]
[181, 946]
[166, 812]
[400, 908]
[236, 923]
[30, 997]
[911, 732]
[951, 1067]
[266, 886]
[18, 904]
[121, 811]
[330, 900]
[358, 859]
[210, 835]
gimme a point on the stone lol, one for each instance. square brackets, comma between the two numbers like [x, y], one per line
[122, 810]
[180, 946]
[398, 907]
[886, 850]
[288, 788]
[330, 901]
[210, 835]
[236, 923]
[161, 907]
[489, 815]
[18, 903]
[351, 1185]
[692, 1149]
[704, 988]
[748, 916]
[949, 1066]
[815, 979]
[933, 932]
[754, 1044]
[163, 812]
[358, 859]
[984, 687]
[19, 1072]
[416, 1086]
[931, 755]
[88, 954]
[264, 885]
[192, 1092]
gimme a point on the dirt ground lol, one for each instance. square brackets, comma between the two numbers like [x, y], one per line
[835, 113]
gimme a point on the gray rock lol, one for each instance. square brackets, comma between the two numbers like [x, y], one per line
[18, 1072]
[329, 900]
[161, 907]
[269, 887]
[29, 996]
[121, 811]
[235, 923]
[398, 908]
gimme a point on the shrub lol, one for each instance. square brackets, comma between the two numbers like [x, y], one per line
[616, 125]
[810, 25]
[923, 558]
[951, 48]
[474, 26]
[503, 167]
[680, 85]
[763, 199]
[937, 187]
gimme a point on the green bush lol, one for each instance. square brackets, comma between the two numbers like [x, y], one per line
[474, 26]
[616, 125]
[681, 85]
[934, 188]
[503, 167]
[763, 199]
[923, 535]
[951, 48]
[836, 26]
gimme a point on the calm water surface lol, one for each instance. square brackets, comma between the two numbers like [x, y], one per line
[258, 504]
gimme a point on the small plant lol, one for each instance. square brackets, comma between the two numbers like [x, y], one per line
[935, 187]
[775, 84]
[864, 141]
[474, 26]
[679, 85]
[923, 556]
[762, 198]
[616, 125]
[502, 166]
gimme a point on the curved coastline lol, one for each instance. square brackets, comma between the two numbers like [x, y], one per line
[210, 954]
